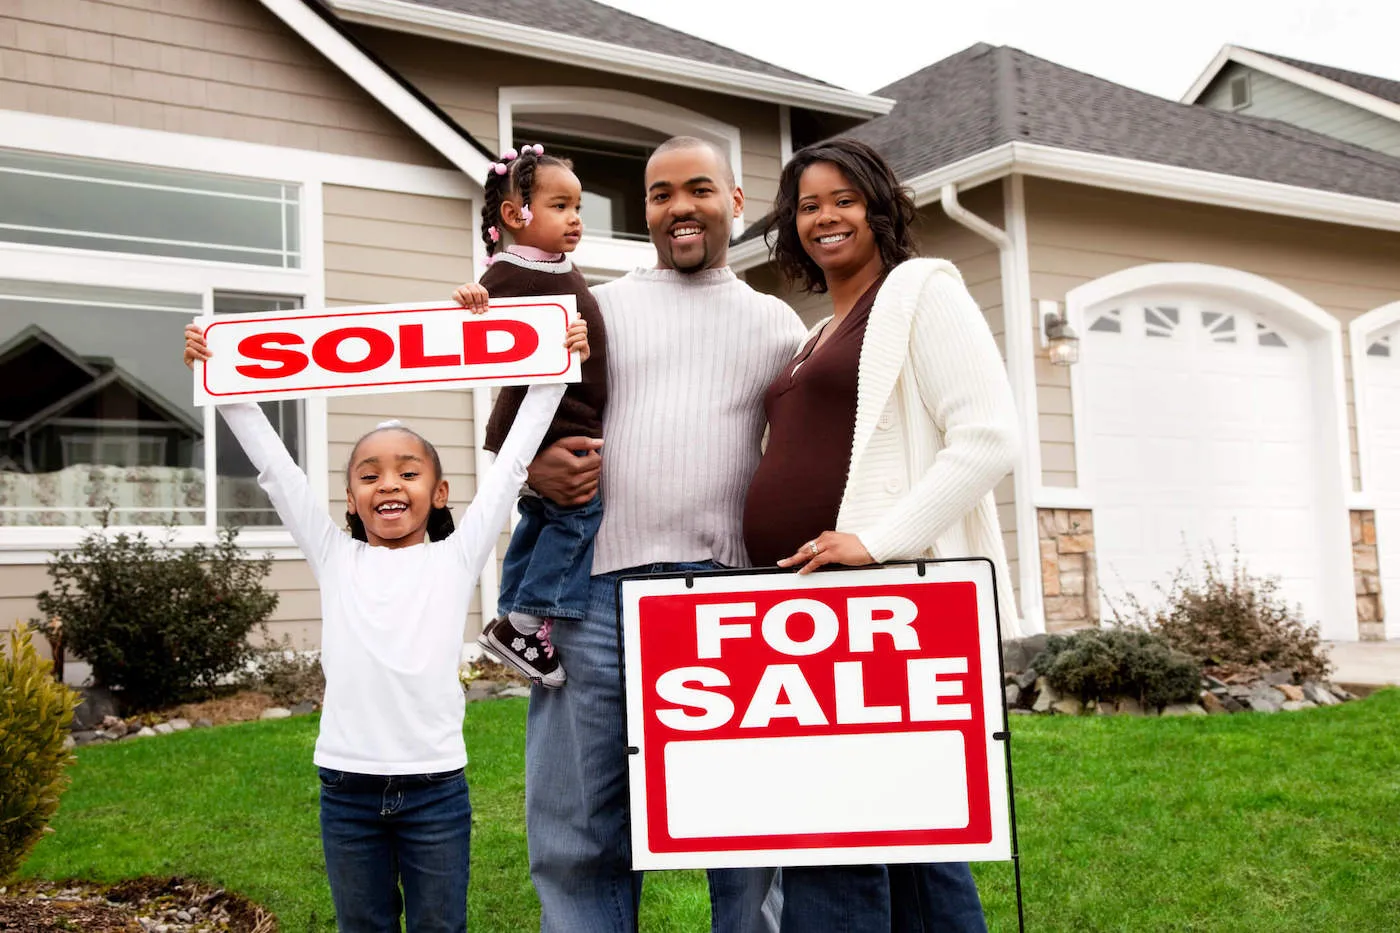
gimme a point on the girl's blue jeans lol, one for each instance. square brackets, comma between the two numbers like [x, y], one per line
[397, 844]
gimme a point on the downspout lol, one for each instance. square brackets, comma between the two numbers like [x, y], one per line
[1020, 367]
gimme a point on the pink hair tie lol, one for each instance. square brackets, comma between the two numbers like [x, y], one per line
[494, 234]
[526, 214]
[508, 155]
[489, 260]
[499, 168]
[537, 149]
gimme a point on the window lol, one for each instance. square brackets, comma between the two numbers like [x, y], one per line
[613, 177]
[48, 200]
[1239, 92]
[98, 411]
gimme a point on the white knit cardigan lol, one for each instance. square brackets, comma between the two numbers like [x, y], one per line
[935, 427]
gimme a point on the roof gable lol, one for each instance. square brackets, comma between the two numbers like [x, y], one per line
[986, 96]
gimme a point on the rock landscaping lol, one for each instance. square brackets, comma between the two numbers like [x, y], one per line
[1027, 691]
[142, 905]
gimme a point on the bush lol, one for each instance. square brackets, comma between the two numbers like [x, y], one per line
[287, 675]
[1097, 664]
[1234, 623]
[35, 711]
[158, 624]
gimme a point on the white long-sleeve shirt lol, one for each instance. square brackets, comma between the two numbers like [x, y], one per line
[689, 358]
[393, 619]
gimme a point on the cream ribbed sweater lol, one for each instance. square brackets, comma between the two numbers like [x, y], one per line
[689, 358]
[935, 427]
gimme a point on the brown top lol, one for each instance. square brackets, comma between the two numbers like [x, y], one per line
[581, 411]
[811, 407]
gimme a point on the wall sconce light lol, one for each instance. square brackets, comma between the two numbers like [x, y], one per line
[1059, 339]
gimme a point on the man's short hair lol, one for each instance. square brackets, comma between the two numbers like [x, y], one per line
[695, 142]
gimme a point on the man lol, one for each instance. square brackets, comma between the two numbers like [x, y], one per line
[691, 350]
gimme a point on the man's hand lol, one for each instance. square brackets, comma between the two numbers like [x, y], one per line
[564, 477]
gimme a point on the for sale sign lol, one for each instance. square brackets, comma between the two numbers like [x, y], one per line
[837, 718]
[385, 348]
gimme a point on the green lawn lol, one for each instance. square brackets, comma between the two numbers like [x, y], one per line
[1232, 823]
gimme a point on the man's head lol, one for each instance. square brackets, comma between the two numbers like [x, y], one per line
[691, 204]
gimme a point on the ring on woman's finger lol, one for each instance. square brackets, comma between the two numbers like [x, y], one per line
[812, 546]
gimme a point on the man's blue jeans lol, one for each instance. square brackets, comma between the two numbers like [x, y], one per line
[546, 569]
[938, 897]
[576, 792]
[382, 831]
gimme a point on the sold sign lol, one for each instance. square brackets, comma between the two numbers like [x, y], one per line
[385, 348]
[839, 718]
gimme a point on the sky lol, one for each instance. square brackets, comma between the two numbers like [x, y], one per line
[1161, 48]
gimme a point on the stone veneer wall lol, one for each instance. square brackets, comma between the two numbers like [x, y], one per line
[1365, 562]
[1067, 568]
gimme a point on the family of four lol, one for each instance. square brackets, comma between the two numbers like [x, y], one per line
[887, 427]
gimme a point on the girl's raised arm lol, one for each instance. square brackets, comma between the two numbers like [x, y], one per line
[278, 474]
[496, 493]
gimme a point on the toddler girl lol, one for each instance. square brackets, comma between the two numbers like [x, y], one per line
[394, 597]
[532, 203]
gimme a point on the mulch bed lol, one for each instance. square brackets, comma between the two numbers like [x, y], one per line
[141, 905]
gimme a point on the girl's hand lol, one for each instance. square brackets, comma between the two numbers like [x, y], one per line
[195, 347]
[472, 297]
[831, 547]
[577, 339]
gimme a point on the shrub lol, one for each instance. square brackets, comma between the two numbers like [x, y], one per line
[1233, 623]
[1096, 664]
[157, 623]
[287, 675]
[35, 711]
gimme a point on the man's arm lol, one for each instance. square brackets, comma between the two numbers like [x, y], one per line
[564, 477]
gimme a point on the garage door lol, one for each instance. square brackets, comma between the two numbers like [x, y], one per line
[1379, 378]
[1202, 437]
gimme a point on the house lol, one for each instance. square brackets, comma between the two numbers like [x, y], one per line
[1232, 277]
[1233, 280]
[160, 161]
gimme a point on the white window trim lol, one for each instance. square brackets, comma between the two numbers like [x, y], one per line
[1323, 335]
[617, 255]
[1358, 335]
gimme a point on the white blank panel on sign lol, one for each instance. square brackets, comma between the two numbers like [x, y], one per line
[739, 787]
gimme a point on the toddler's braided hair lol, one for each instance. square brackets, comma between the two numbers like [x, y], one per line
[513, 175]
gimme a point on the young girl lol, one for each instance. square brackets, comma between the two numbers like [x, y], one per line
[532, 202]
[394, 597]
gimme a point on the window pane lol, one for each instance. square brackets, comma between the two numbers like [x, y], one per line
[55, 201]
[613, 176]
[240, 501]
[97, 409]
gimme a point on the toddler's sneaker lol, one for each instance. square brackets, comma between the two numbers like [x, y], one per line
[530, 653]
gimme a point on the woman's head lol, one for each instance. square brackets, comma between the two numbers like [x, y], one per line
[395, 493]
[536, 198]
[839, 208]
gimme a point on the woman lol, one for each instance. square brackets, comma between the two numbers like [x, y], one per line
[887, 432]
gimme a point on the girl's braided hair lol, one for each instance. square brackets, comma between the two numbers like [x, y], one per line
[513, 175]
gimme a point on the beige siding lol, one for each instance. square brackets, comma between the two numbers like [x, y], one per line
[1276, 99]
[19, 584]
[221, 68]
[463, 81]
[1079, 234]
[384, 247]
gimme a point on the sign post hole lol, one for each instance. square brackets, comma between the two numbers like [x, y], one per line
[837, 718]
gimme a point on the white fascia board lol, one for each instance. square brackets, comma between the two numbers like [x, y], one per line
[533, 42]
[748, 254]
[363, 71]
[1221, 59]
[1294, 75]
[974, 170]
[1188, 184]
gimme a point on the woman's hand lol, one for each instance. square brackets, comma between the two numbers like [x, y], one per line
[576, 340]
[472, 297]
[830, 547]
[195, 347]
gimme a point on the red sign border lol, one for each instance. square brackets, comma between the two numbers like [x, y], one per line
[362, 386]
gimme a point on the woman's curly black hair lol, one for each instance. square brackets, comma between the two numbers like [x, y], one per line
[440, 523]
[518, 179]
[889, 209]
